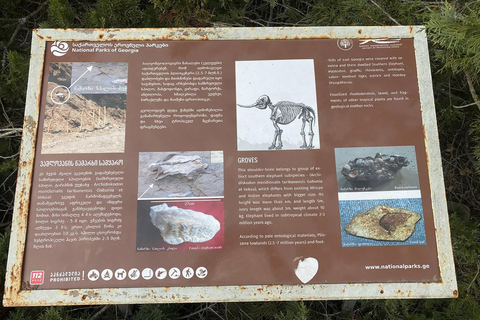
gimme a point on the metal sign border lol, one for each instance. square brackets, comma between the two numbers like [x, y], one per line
[15, 296]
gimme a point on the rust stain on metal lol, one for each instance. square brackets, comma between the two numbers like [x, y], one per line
[100, 36]
[73, 293]
[426, 143]
[411, 29]
[29, 123]
[84, 31]
[317, 37]
[455, 293]
[360, 31]
[381, 289]
[242, 287]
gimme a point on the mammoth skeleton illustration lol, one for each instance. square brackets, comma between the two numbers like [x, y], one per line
[283, 113]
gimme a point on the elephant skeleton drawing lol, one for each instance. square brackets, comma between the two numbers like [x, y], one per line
[284, 113]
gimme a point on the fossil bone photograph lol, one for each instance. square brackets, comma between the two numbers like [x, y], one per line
[383, 222]
[180, 174]
[276, 105]
[85, 108]
[180, 225]
[376, 169]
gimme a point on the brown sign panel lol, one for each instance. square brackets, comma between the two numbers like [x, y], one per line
[237, 168]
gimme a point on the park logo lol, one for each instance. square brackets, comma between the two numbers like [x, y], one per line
[386, 43]
[36, 277]
[345, 44]
[59, 48]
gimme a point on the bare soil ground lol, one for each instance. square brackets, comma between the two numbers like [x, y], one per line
[105, 140]
[80, 125]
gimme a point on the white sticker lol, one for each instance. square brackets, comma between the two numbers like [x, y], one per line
[306, 269]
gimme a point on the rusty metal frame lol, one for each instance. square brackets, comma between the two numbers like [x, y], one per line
[15, 296]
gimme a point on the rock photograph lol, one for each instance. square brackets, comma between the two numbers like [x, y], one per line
[382, 222]
[389, 168]
[180, 174]
[180, 225]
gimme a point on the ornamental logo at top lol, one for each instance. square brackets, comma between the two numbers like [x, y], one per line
[345, 44]
[386, 43]
[59, 48]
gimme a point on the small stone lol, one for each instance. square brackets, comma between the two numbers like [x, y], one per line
[179, 225]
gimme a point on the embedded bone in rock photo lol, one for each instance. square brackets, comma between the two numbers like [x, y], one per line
[179, 225]
[176, 164]
[384, 223]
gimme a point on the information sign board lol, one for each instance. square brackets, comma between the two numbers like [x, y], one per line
[190, 165]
